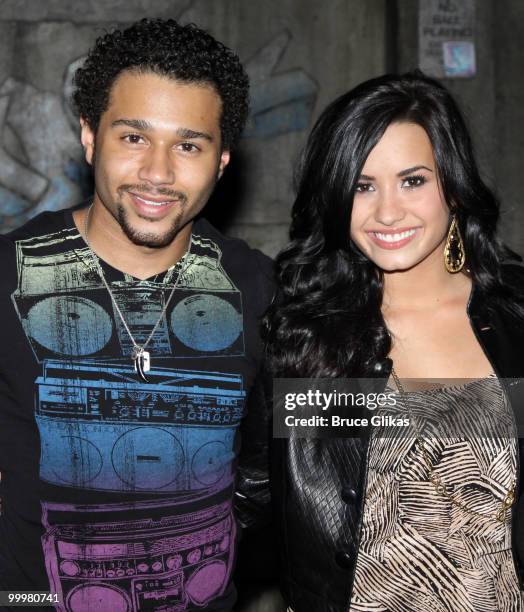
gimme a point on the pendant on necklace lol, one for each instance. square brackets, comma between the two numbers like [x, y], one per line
[142, 360]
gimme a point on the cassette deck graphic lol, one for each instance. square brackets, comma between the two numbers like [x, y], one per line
[166, 558]
[98, 425]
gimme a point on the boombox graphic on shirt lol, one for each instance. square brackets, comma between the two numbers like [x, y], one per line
[166, 558]
[101, 427]
[174, 434]
[67, 312]
[170, 441]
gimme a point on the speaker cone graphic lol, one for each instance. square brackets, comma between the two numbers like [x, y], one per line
[69, 325]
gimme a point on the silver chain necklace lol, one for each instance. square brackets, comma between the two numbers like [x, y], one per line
[141, 358]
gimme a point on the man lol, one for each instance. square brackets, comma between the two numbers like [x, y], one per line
[131, 343]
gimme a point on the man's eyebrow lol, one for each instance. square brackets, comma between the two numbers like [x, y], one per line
[192, 134]
[141, 124]
[413, 169]
[136, 124]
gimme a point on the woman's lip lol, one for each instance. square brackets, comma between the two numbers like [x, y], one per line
[397, 244]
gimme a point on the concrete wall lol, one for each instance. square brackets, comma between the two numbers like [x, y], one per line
[300, 54]
[508, 137]
[493, 100]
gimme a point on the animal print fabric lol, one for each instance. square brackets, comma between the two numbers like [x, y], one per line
[418, 551]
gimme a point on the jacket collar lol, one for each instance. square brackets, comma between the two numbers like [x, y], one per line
[500, 334]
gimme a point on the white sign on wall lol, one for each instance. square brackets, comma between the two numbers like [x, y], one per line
[446, 38]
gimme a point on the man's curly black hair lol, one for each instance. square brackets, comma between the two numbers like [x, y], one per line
[185, 53]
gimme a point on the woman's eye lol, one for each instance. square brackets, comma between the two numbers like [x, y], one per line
[364, 187]
[413, 181]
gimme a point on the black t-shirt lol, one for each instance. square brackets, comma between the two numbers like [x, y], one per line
[117, 493]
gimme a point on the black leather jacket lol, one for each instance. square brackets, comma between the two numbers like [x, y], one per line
[317, 485]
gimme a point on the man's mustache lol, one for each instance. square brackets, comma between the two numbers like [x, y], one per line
[146, 190]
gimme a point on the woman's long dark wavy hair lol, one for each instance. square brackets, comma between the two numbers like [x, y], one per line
[327, 320]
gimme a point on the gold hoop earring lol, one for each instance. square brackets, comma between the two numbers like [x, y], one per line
[454, 254]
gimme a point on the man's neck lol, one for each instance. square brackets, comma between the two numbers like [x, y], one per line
[110, 244]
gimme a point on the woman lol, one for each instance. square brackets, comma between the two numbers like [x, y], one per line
[394, 271]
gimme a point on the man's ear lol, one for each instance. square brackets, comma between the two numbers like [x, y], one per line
[224, 161]
[87, 137]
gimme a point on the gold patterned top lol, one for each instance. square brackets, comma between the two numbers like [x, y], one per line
[418, 551]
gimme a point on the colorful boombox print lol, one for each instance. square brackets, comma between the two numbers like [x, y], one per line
[165, 558]
[101, 429]
[164, 448]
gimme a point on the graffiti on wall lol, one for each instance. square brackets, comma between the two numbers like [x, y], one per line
[41, 160]
[281, 102]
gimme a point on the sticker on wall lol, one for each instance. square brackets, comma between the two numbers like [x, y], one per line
[446, 34]
[459, 59]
